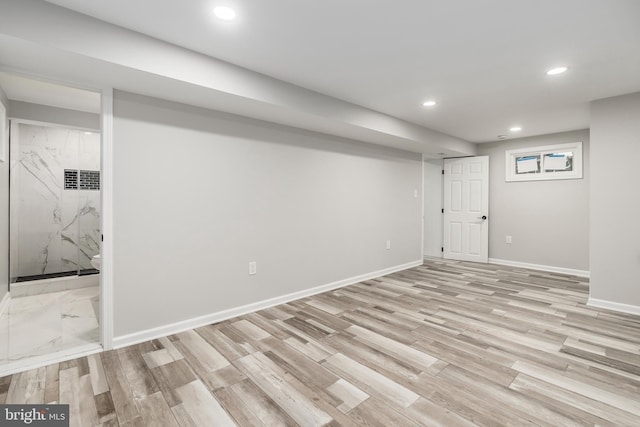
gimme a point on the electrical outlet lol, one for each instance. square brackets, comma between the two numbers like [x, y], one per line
[415, 194]
[253, 268]
[509, 240]
[388, 244]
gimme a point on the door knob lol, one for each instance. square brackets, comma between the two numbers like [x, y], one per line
[483, 217]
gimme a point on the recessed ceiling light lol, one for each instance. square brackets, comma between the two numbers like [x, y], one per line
[515, 129]
[225, 13]
[429, 103]
[558, 70]
[88, 133]
[502, 136]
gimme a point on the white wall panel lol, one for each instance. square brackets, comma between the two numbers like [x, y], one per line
[199, 194]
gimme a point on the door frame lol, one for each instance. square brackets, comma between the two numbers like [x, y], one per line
[432, 232]
[105, 315]
[106, 269]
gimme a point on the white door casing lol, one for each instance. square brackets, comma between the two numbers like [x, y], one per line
[466, 209]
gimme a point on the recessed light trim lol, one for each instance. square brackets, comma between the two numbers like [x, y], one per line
[557, 70]
[429, 103]
[515, 129]
[225, 13]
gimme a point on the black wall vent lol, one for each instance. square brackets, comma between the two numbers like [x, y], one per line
[70, 179]
[83, 180]
[89, 180]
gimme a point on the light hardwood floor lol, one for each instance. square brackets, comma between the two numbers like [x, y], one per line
[444, 344]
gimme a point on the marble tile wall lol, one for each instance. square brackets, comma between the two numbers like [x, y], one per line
[53, 229]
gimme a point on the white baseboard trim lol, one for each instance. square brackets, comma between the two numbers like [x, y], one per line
[174, 328]
[35, 362]
[615, 306]
[4, 303]
[549, 268]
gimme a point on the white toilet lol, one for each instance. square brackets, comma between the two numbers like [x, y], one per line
[96, 262]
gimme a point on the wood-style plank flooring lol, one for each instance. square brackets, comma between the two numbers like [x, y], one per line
[444, 344]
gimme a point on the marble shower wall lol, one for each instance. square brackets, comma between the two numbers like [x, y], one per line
[53, 229]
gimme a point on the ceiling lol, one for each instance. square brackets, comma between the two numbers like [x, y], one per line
[483, 61]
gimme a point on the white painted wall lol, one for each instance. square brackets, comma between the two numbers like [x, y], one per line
[198, 194]
[4, 207]
[548, 220]
[59, 116]
[615, 201]
[433, 208]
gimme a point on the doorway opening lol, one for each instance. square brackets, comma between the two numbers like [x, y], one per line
[54, 222]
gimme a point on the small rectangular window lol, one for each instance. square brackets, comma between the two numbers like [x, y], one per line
[527, 165]
[562, 161]
[558, 162]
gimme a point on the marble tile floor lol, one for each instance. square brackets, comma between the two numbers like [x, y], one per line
[39, 325]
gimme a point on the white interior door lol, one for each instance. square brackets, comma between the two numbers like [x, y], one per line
[466, 209]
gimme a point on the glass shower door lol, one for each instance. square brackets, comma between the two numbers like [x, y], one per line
[55, 201]
[89, 234]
